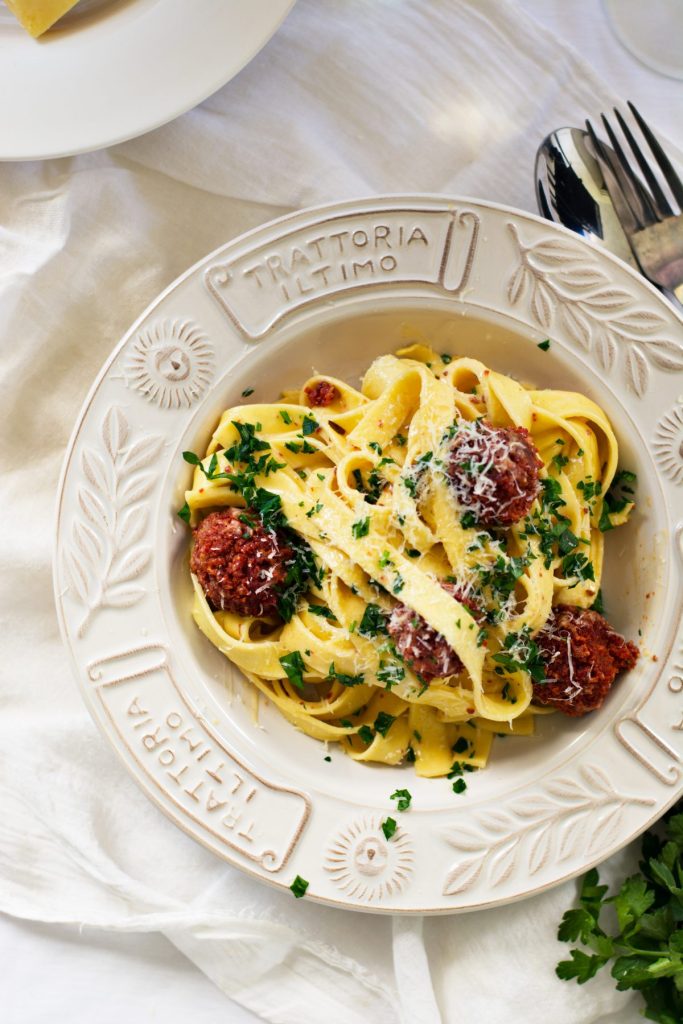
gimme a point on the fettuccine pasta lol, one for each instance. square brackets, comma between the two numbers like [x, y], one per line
[358, 488]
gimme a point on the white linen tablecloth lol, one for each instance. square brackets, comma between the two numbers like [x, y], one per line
[351, 97]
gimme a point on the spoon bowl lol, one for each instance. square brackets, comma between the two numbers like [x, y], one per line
[571, 190]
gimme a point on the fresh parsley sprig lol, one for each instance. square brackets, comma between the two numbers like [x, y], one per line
[645, 948]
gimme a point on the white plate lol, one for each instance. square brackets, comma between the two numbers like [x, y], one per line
[330, 289]
[113, 69]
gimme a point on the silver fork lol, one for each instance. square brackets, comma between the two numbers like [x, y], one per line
[652, 225]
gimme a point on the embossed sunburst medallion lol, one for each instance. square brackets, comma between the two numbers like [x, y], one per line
[170, 363]
[668, 444]
[328, 291]
[365, 864]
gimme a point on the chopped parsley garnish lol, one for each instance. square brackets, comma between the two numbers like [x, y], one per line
[401, 440]
[285, 416]
[247, 392]
[502, 576]
[299, 887]
[309, 426]
[296, 447]
[507, 695]
[413, 553]
[598, 604]
[376, 447]
[373, 621]
[403, 797]
[578, 566]
[341, 677]
[398, 584]
[384, 722]
[366, 734]
[445, 358]
[248, 443]
[460, 745]
[619, 496]
[560, 461]
[544, 345]
[361, 528]
[389, 827]
[459, 786]
[589, 488]
[372, 487]
[567, 541]
[322, 610]
[314, 510]
[293, 664]
[384, 560]
[184, 513]
[190, 457]
[468, 521]
[390, 673]
[521, 654]
[410, 485]
[327, 758]
[552, 494]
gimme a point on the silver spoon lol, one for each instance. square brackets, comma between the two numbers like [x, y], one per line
[571, 190]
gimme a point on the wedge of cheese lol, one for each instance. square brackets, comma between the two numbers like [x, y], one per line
[37, 16]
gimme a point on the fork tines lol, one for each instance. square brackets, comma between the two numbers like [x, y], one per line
[642, 204]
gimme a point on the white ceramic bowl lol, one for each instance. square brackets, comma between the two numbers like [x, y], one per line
[330, 289]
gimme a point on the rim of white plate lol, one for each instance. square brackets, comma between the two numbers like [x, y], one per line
[446, 857]
[52, 115]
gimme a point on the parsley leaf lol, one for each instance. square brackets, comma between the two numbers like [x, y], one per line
[389, 827]
[361, 528]
[322, 610]
[184, 513]
[294, 666]
[299, 887]
[384, 722]
[645, 945]
[373, 621]
[366, 734]
[403, 798]
[344, 679]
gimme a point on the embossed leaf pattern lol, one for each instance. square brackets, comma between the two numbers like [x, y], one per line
[569, 816]
[107, 552]
[561, 284]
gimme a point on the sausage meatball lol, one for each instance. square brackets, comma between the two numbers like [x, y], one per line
[582, 655]
[322, 393]
[425, 651]
[494, 471]
[240, 565]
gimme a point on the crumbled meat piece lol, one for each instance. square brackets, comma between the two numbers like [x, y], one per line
[322, 393]
[424, 650]
[240, 565]
[583, 655]
[494, 471]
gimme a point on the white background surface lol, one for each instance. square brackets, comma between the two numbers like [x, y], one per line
[56, 974]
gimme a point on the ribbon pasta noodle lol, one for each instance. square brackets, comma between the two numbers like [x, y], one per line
[362, 482]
